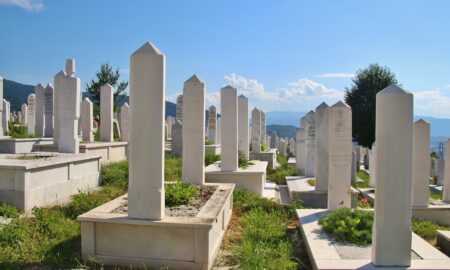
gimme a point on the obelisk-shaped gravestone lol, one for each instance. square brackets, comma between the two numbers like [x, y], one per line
[229, 111]
[300, 150]
[39, 116]
[24, 110]
[322, 146]
[421, 163]
[48, 110]
[243, 125]
[87, 120]
[125, 122]
[256, 130]
[310, 144]
[31, 113]
[106, 113]
[212, 120]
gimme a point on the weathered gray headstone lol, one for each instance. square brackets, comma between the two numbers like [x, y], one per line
[125, 122]
[177, 139]
[31, 113]
[256, 130]
[421, 163]
[322, 146]
[229, 111]
[24, 110]
[243, 125]
[48, 111]
[39, 117]
[212, 119]
[106, 113]
[179, 109]
[310, 144]
[86, 120]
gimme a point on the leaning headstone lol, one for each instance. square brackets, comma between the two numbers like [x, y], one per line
[300, 150]
[125, 122]
[446, 188]
[106, 113]
[310, 141]
[421, 163]
[179, 109]
[243, 125]
[68, 101]
[229, 110]
[39, 117]
[177, 139]
[87, 120]
[340, 156]
[392, 235]
[322, 146]
[256, 130]
[31, 113]
[441, 171]
[212, 132]
[146, 148]
[193, 131]
[48, 111]
[24, 110]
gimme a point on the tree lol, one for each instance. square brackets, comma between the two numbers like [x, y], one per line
[361, 97]
[105, 75]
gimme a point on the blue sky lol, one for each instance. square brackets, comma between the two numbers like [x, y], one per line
[285, 55]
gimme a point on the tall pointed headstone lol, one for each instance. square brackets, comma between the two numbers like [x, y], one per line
[39, 116]
[310, 144]
[48, 110]
[212, 124]
[229, 111]
[322, 146]
[421, 163]
[300, 150]
[87, 120]
[256, 130]
[243, 125]
[24, 110]
[125, 122]
[31, 113]
[106, 113]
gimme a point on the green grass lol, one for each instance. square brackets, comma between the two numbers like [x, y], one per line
[172, 169]
[436, 196]
[210, 158]
[349, 226]
[243, 162]
[365, 177]
[279, 174]
[263, 147]
[19, 132]
[9, 211]
[433, 180]
[208, 142]
[427, 229]
[179, 193]
[264, 240]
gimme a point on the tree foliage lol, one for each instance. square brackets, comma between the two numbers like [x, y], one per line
[105, 75]
[361, 97]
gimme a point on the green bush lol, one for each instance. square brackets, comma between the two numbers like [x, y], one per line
[179, 193]
[115, 173]
[263, 147]
[9, 211]
[210, 158]
[350, 226]
[279, 174]
[427, 229]
[435, 195]
[19, 132]
[243, 162]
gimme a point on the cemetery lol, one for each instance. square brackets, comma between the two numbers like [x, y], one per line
[171, 168]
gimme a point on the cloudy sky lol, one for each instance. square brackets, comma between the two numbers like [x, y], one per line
[284, 55]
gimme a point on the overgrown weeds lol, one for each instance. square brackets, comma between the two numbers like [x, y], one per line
[279, 174]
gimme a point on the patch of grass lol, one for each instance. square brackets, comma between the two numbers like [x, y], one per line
[349, 226]
[210, 158]
[363, 176]
[279, 174]
[243, 162]
[311, 182]
[436, 196]
[262, 237]
[433, 180]
[97, 135]
[116, 174]
[263, 147]
[427, 229]
[19, 132]
[172, 169]
[208, 142]
[9, 211]
[179, 193]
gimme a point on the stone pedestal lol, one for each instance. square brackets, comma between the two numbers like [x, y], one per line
[322, 146]
[310, 141]
[243, 125]
[146, 156]
[106, 113]
[340, 156]
[421, 163]
[193, 131]
[391, 241]
[229, 110]
[31, 113]
[300, 150]
[87, 120]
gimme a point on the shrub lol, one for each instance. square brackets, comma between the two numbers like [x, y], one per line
[350, 226]
[311, 182]
[363, 202]
[279, 174]
[243, 161]
[210, 158]
[179, 193]
[9, 211]
[427, 229]
[19, 132]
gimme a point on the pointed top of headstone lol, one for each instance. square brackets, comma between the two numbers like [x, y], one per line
[422, 121]
[228, 87]
[242, 96]
[31, 95]
[212, 107]
[106, 86]
[393, 89]
[86, 99]
[194, 79]
[70, 67]
[148, 48]
[310, 112]
[255, 109]
[61, 74]
[322, 105]
[38, 87]
[125, 105]
[49, 86]
[340, 104]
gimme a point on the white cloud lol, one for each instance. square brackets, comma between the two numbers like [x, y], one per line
[301, 95]
[336, 75]
[433, 102]
[28, 5]
[122, 70]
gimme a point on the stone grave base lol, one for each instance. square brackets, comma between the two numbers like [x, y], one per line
[437, 213]
[252, 179]
[172, 243]
[325, 253]
[299, 188]
[109, 151]
[10, 145]
[443, 241]
[41, 179]
[214, 148]
[270, 156]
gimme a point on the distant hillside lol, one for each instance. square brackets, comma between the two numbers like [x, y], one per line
[287, 131]
[16, 93]
[284, 118]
